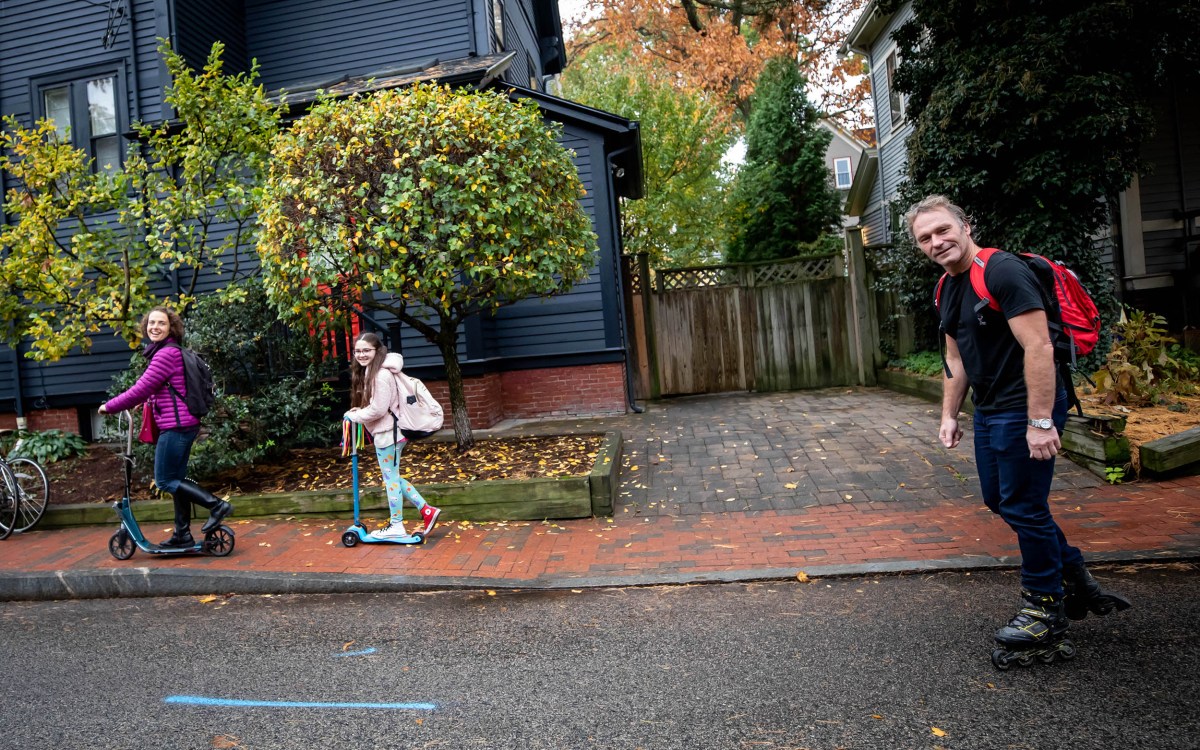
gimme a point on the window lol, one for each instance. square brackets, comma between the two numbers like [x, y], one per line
[841, 173]
[895, 98]
[84, 112]
[498, 23]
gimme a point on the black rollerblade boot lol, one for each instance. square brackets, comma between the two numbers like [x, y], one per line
[1037, 631]
[1083, 594]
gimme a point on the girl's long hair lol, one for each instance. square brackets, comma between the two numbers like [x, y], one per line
[362, 379]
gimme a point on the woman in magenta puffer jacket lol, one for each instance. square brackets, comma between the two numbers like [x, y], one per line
[162, 387]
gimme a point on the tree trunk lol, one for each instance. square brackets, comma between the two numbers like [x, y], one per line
[447, 341]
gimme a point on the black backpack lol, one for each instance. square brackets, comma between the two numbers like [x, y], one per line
[201, 393]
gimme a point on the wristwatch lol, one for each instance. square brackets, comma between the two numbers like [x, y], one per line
[1042, 424]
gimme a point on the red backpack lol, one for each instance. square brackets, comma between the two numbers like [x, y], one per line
[1072, 315]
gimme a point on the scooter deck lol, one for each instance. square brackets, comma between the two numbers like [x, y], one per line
[358, 534]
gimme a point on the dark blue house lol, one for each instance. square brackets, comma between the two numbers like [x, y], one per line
[94, 65]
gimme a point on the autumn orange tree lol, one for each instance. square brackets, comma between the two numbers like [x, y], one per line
[721, 46]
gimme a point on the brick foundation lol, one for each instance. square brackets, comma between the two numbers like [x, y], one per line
[523, 394]
[66, 420]
[529, 394]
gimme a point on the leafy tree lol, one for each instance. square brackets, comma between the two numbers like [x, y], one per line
[1027, 118]
[683, 142]
[721, 46]
[450, 202]
[784, 191]
[88, 243]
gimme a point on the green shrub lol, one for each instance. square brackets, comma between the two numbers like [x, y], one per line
[921, 363]
[1145, 363]
[45, 447]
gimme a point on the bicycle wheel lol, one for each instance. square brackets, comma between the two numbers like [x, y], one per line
[34, 489]
[10, 500]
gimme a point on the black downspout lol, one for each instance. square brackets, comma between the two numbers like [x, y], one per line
[616, 222]
[133, 66]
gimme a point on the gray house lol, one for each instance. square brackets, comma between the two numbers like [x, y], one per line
[1154, 242]
[95, 67]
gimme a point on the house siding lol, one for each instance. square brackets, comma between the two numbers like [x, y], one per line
[892, 137]
[299, 42]
[199, 23]
[520, 34]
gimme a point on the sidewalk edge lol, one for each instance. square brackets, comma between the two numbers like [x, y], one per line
[155, 582]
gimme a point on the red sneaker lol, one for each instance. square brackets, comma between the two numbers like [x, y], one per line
[429, 515]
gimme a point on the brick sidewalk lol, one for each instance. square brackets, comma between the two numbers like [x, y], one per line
[1145, 521]
[720, 488]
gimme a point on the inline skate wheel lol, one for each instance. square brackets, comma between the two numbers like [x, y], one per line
[349, 539]
[1025, 660]
[1047, 657]
[1001, 659]
[1067, 650]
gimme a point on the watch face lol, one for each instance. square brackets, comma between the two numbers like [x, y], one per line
[1042, 424]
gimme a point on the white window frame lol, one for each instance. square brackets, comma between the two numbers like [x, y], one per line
[838, 173]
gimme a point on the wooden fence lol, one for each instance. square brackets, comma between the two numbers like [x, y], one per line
[758, 327]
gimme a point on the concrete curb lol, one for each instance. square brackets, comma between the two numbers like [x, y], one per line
[154, 582]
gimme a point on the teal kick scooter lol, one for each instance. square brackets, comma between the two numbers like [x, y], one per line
[217, 541]
[354, 436]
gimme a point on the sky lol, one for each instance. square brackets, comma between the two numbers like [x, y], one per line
[570, 10]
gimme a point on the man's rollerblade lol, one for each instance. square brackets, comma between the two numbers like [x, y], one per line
[1037, 631]
[1083, 594]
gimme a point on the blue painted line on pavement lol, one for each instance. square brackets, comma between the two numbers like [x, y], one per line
[363, 652]
[199, 700]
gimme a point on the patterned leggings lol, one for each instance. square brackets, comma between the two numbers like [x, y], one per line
[397, 487]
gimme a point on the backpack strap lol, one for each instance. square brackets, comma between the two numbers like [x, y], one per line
[176, 395]
[978, 285]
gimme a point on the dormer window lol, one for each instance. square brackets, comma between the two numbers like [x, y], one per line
[498, 23]
[896, 100]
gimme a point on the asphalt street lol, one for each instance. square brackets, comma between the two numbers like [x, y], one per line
[872, 662]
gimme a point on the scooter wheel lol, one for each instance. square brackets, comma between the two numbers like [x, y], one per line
[120, 545]
[219, 542]
[349, 539]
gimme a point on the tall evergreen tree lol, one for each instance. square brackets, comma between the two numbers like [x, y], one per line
[784, 192]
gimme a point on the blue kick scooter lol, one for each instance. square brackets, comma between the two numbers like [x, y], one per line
[129, 538]
[353, 438]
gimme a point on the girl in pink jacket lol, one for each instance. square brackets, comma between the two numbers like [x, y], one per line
[375, 397]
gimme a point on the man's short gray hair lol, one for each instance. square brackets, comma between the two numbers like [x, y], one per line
[932, 203]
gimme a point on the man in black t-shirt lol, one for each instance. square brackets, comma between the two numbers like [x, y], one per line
[1007, 358]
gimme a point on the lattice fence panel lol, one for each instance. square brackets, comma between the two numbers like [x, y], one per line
[788, 273]
[706, 277]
